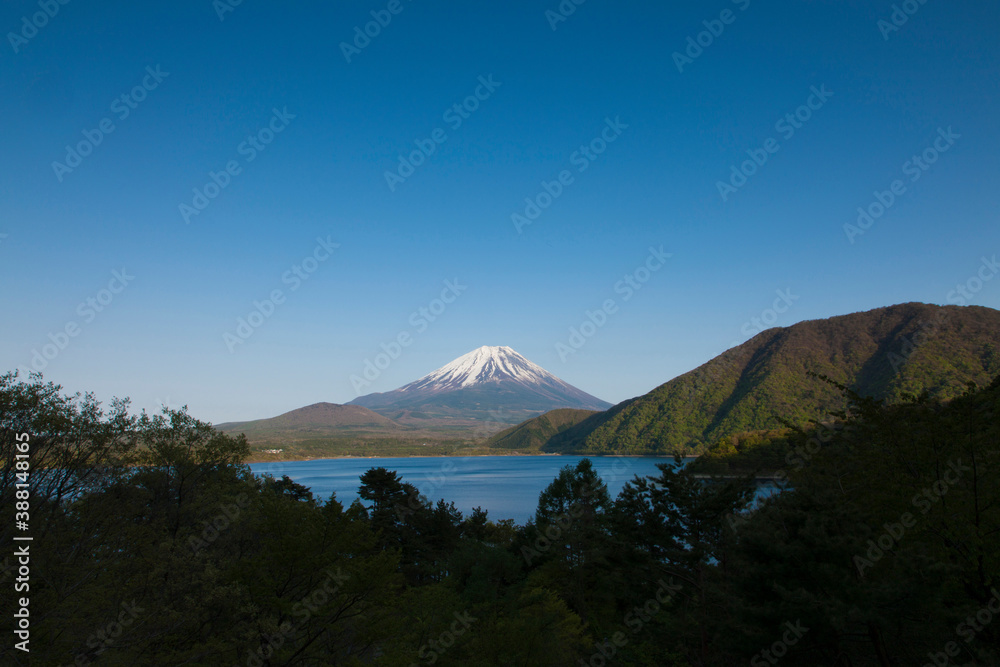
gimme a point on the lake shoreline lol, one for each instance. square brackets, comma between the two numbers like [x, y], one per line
[506, 486]
[255, 461]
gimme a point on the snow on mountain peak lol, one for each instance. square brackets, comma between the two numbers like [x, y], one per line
[488, 363]
[491, 378]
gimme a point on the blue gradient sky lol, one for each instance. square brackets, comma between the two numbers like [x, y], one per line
[162, 337]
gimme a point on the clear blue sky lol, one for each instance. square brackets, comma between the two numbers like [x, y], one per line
[162, 335]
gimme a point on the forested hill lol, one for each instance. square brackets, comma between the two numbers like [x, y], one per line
[885, 353]
[535, 432]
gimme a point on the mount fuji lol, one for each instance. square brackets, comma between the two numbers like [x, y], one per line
[491, 383]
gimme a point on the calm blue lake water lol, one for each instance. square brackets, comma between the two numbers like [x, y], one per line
[506, 486]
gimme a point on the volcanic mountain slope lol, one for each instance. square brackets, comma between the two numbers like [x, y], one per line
[885, 353]
[489, 384]
[317, 420]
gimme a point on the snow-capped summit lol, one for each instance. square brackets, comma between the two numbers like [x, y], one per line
[490, 380]
[484, 364]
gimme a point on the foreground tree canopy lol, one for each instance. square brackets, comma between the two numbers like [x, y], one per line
[155, 545]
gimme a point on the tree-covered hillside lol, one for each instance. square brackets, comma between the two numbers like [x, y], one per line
[762, 384]
[531, 435]
[153, 545]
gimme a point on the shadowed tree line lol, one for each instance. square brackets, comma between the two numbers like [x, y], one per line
[153, 544]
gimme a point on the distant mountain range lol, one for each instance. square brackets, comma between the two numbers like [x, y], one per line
[885, 353]
[317, 420]
[495, 384]
[467, 399]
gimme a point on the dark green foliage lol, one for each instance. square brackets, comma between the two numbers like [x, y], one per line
[759, 452]
[154, 545]
[764, 383]
[675, 527]
[568, 545]
[888, 542]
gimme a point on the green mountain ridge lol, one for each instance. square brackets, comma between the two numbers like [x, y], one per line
[533, 433]
[886, 353]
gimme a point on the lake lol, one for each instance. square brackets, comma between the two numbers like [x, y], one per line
[506, 486]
